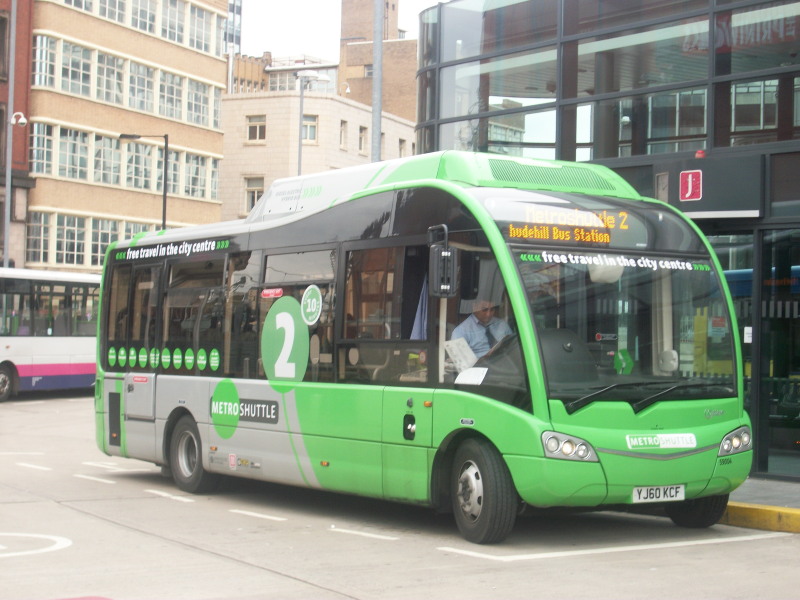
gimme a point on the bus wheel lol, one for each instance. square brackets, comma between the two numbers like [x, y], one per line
[699, 513]
[6, 382]
[484, 498]
[186, 461]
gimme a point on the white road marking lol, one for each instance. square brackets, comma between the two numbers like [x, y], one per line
[97, 479]
[374, 536]
[610, 549]
[114, 468]
[58, 543]
[169, 496]
[38, 467]
[21, 453]
[247, 513]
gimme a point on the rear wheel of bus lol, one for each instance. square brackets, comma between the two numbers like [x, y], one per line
[484, 498]
[698, 513]
[186, 460]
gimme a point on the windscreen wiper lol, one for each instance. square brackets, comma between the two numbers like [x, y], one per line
[640, 405]
[579, 403]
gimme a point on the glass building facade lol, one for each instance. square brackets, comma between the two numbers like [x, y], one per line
[695, 102]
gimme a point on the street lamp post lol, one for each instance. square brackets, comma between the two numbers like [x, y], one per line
[164, 173]
[16, 119]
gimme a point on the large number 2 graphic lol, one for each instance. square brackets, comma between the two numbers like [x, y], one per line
[283, 366]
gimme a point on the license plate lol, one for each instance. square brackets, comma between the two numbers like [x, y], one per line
[659, 493]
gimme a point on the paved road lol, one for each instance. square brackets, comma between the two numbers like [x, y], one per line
[76, 523]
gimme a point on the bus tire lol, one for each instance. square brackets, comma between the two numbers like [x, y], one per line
[699, 513]
[483, 494]
[6, 382]
[186, 460]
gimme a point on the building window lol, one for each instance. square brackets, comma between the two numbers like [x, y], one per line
[107, 160]
[4, 45]
[70, 240]
[343, 135]
[200, 29]
[143, 15]
[362, 140]
[214, 178]
[197, 103]
[368, 70]
[37, 237]
[170, 96]
[76, 69]
[217, 107]
[110, 78]
[172, 16]
[104, 231]
[310, 128]
[73, 154]
[401, 148]
[82, 4]
[113, 9]
[41, 150]
[140, 90]
[139, 163]
[256, 128]
[132, 229]
[195, 182]
[253, 190]
[281, 81]
[44, 61]
[173, 173]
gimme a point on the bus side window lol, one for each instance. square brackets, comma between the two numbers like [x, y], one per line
[116, 329]
[291, 275]
[194, 309]
[145, 305]
[386, 308]
[241, 355]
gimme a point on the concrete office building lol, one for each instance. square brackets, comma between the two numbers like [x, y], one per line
[263, 140]
[153, 71]
[695, 102]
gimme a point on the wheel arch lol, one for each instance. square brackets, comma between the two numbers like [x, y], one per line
[443, 465]
[173, 418]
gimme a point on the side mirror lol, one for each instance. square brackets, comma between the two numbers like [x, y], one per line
[442, 270]
[442, 264]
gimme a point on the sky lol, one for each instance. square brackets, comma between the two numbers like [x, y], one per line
[307, 26]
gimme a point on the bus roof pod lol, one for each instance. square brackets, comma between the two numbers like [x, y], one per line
[313, 193]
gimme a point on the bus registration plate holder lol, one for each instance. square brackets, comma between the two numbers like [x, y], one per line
[659, 493]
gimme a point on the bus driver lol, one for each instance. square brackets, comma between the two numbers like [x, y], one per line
[482, 329]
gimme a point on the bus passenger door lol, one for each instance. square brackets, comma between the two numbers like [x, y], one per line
[407, 437]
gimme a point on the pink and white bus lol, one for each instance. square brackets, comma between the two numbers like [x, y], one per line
[48, 330]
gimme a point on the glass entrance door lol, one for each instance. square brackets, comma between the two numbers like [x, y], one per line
[779, 361]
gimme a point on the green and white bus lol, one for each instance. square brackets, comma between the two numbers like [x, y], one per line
[316, 343]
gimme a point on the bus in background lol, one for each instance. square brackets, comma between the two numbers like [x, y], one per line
[48, 330]
[466, 331]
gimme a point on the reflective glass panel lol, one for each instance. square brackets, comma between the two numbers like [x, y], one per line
[516, 80]
[473, 27]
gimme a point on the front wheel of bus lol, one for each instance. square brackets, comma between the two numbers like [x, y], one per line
[484, 498]
[186, 460]
[698, 513]
[6, 382]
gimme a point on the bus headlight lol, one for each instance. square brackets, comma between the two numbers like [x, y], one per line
[567, 447]
[736, 441]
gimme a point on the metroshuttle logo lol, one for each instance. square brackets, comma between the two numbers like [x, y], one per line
[691, 186]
